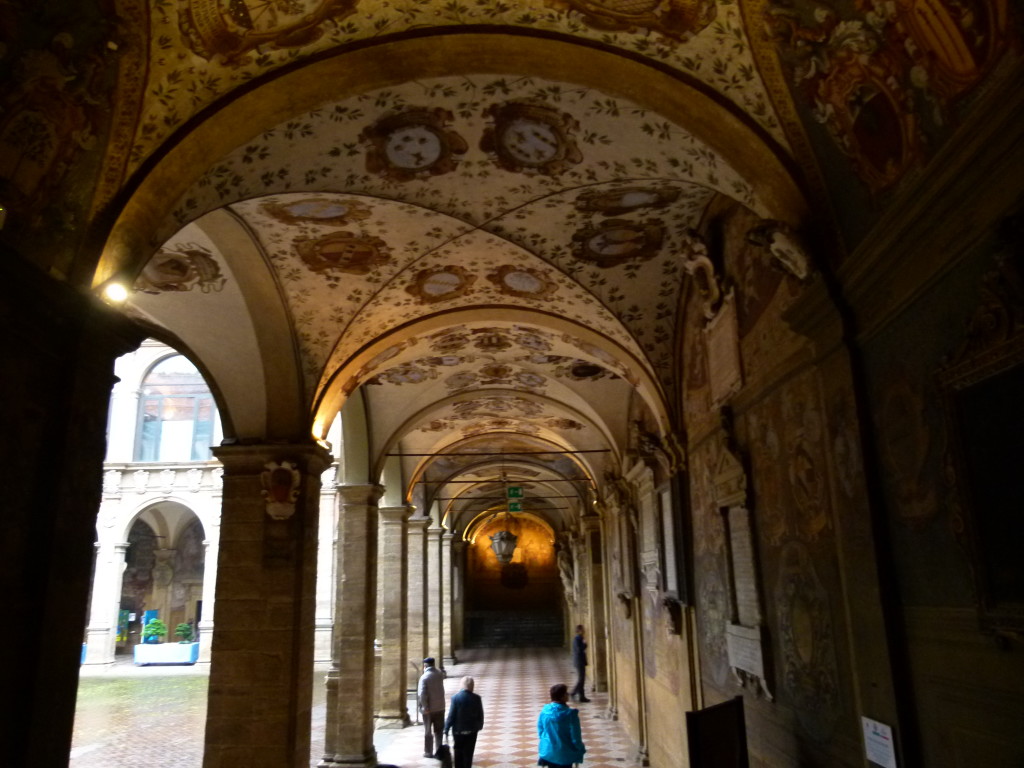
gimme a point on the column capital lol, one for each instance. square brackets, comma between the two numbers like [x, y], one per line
[360, 494]
[241, 459]
[434, 533]
[418, 524]
[394, 514]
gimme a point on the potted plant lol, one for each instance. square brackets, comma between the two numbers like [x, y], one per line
[154, 631]
[151, 651]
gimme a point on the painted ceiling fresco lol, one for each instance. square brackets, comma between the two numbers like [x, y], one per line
[494, 261]
[203, 49]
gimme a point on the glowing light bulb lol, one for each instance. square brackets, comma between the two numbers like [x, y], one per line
[115, 293]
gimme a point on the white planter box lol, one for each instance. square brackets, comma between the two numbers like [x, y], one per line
[166, 653]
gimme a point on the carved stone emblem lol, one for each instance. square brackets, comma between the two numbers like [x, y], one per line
[522, 282]
[338, 212]
[615, 202]
[183, 269]
[344, 252]
[676, 20]
[280, 488]
[617, 241]
[413, 144]
[441, 283]
[531, 138]
[783, 245]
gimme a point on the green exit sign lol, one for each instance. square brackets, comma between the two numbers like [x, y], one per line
[515, 492]
[515, 506]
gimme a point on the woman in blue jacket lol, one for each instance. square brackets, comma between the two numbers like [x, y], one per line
[558, 728]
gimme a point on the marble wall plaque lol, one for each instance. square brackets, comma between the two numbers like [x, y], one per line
[744, 648]
[741, 548]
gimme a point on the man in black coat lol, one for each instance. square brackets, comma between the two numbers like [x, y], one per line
[579, 660]
[465, 718]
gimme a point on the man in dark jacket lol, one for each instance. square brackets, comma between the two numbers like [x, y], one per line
[465, 718]
[579, 660]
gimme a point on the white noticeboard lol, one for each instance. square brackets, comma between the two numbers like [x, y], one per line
[878, 745]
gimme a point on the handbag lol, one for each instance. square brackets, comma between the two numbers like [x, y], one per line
[444, 753]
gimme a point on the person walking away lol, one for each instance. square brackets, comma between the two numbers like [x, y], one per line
[430, 694]
[579, 660]
[558, 731]
[465, 718]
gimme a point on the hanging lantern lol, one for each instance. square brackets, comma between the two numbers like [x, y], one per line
[504, 544]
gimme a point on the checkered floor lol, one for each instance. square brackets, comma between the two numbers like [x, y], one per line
[514, 686]
[155, 716]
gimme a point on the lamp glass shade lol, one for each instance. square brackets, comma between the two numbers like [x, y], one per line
[504, 544]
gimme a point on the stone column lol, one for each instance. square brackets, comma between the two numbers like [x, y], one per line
[101, 635]
[327, 556]
[416, 627]
[447, 599]
[56, 382]
[163, 576]
[261, 675]
[458, 594]
[205, 624]
[348, 737]
[393, 573]
[435, 632]
[592, 556]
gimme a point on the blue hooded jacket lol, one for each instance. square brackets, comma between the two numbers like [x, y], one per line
[561, 740]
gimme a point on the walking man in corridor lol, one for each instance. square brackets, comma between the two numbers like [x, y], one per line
[430, 694]
[579, 661]
[465, 718]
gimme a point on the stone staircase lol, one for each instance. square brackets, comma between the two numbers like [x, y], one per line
[514, 629]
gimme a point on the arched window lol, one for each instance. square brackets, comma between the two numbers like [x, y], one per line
[177, 415]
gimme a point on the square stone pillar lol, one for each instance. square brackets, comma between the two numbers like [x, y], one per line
[434, 623]
[261, 672]
[348, 735]
[458, 594]
[416, 626]
[392, 570]
[101, 634]
[593, 575]
[447, 599]
[57, 373]
[326, 558]
[211, 547]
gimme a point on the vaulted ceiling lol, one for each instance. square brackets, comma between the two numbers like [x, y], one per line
[483, 216]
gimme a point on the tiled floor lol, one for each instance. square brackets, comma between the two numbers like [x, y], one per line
[154, 716]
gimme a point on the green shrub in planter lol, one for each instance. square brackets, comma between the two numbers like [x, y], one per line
[184, 631]
[154, 631]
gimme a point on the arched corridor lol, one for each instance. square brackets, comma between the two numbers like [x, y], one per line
[699, 323]
[119, 724]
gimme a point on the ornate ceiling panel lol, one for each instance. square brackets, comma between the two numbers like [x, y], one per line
[203, 49]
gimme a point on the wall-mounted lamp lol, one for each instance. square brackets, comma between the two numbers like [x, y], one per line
[115, 293]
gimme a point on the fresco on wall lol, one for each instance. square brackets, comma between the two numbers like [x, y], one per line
[885, 83]
[56, 67]
[808, 664]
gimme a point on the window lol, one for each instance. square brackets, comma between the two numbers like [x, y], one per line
[177, 415]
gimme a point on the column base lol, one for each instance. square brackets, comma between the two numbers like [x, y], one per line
[349, 761]
[449, 661]
[392, 722]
